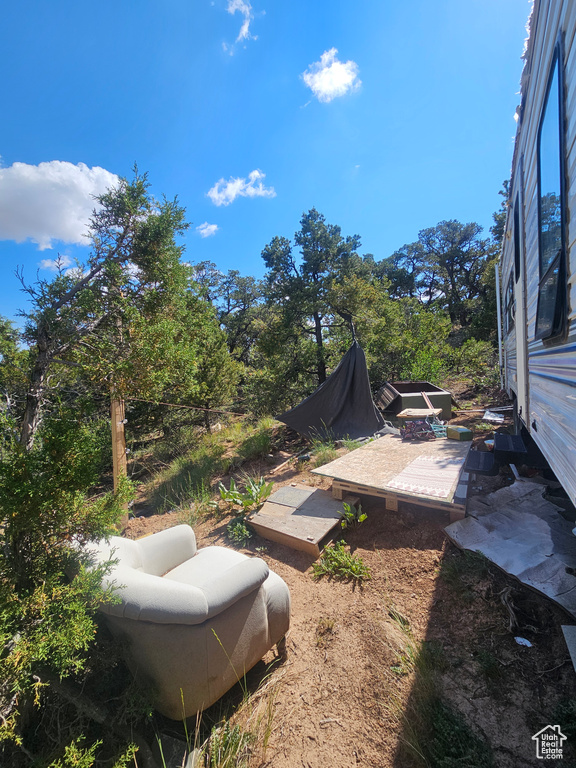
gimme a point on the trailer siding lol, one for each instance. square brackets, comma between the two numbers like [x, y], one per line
[550, 378]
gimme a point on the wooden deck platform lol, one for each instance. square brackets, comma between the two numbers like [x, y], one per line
[300, 517]
[382, 468]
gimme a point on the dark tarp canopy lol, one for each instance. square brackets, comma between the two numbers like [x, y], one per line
[342, 406]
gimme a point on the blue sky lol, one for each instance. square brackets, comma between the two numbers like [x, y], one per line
[386, 116]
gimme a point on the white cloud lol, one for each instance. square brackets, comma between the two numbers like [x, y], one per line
[330, 78]
[61, 262]
[49, 201]
[225, 192]
[207, 230]
[245, 9]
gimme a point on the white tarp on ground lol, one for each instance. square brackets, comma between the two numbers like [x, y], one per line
[523, 534]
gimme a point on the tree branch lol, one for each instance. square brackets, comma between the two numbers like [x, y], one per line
[93, 272]
[99, 714]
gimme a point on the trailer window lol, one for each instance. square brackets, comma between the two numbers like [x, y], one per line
[509, 306]
[552, 301]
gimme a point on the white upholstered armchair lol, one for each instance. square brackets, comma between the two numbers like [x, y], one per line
[193, 620]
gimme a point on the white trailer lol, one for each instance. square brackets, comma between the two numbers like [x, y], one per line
[538, 263]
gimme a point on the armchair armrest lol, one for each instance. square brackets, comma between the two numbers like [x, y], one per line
[146, 597]
[236, 582]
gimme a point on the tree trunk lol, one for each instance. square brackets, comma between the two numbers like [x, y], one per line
[207, 422]
[35, 396]
[320, 362]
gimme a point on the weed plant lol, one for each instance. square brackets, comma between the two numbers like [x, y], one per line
[200, 506]
[230, 734]
[230, 496]
[238, 532]
[350, 444]
[323, 453]
[490, 668]
[324, 631]
[452, 742]
[255, 492]
[176, 442]
[228, 747]
[188, 475]
[336, 562]
[399, 619]
[565, 714]
[351, 516]
[250, 441]
[323, 450]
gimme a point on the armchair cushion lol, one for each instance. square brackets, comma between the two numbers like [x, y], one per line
[221, 588]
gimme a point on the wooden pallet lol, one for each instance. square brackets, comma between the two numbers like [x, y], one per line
[455, 508]
[300, 517]
[369, 470]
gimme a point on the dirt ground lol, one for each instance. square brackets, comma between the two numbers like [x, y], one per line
[346, 694]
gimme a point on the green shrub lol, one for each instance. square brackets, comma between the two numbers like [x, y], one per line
[188, 474]
[425, 364]
[47, 624]
[453, 743]
[478, 361]
[350, 444]
[200, 505]
[256, 445]
[201, 457]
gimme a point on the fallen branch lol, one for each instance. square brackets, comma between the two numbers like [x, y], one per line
[284, 463]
